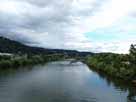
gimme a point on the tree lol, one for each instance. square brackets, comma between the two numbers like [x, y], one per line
[132, 54]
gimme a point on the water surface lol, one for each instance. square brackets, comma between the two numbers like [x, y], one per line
[63, 81]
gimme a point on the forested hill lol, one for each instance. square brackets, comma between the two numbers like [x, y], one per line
[11, 46]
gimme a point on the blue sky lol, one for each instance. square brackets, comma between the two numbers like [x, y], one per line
[84, 25]
[123, 31]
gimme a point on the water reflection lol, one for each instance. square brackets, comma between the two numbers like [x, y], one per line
[122, 86]
[63, 82]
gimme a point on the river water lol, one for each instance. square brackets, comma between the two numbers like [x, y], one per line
[63, 81]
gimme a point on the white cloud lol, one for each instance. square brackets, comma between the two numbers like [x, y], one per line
[63, 24]
[111, 12]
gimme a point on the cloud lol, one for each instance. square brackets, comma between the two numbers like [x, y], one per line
[117, 46]
[47, 24]
[64, 24]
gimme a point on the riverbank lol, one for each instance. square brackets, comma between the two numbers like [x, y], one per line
[17, 61]
[113, 65]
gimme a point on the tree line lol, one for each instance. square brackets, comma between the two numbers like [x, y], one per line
[16, 61]
[116, 65]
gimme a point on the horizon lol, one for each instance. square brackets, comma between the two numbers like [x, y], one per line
[83, 25]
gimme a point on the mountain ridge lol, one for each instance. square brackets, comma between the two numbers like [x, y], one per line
[11, 46]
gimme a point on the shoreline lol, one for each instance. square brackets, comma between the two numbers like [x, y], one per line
[15, 63]
[93, 68]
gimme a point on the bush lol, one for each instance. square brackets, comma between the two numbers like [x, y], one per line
[116, 65]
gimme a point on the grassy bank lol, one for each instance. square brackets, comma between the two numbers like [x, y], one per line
[121, 66]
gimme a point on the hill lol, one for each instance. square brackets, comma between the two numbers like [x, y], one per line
[14, 47]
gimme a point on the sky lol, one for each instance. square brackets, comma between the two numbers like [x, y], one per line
[84, 25]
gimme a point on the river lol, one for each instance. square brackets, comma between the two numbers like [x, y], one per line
[63, 81]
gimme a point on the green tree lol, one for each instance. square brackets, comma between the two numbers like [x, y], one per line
[132, 54]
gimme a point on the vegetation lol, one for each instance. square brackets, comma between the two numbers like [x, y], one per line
[16, 61]
[14, 47]
[17, 54]
[115, 65]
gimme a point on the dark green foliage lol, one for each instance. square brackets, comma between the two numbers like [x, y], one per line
[133, 55]
[19, 61]
[117, 65]
[4, 57]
